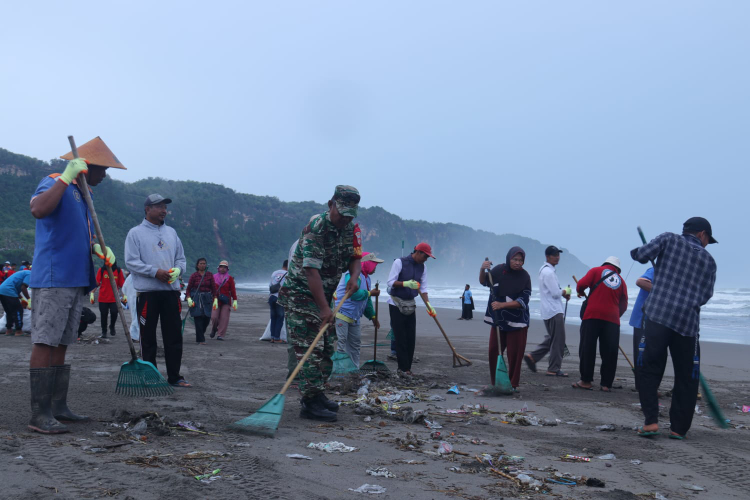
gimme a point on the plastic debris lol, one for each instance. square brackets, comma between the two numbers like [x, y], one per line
[575, 458]
[512, 458]
[697, 410]
[436, 397]
[19, 457]
[659, 496]
[432, 424]
[369, 488]
[574, 422]
[745, 409]
[606, 427]
[445, 448]
[398, 397]
[525, 407]
[138, 428]
[526, 479]
[453, 390]
[298, 456]
[103, 434]
[242, 445]
[189, 425]
[367, 419]
[332, 446]
[595, 483]
[635, 462]
[364, 389]
[380, 472]
[549, 423]
[693, 487]
[206, 476]
[608, 456]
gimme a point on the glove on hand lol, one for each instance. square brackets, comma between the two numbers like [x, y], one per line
[74, 168]
[234, 305]
[190, 302]
[91, 297]
[216, 304]
[431, 310]
[414, 285]
[174, 273]
[109, 259]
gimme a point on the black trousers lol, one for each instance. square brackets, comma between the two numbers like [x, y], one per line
[13, 312]
[466, 312]
[106, 309]
[659, 339]
[608, 336]
[405, 333]
[164, 306]
[201, 323]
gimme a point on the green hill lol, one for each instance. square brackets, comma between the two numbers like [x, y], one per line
[252, 232]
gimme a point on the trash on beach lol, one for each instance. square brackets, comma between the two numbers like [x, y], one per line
[512, 458]
[298, 456]
[411, 462]
[574, 422]
[367, 419]
[453, 390]
[595, 483]
[457, 411]
[525, 407]
[575, 458]
[436, 397]
[414, 417]
[369, 488]
[745, 409]
[242, 445]
[445, 448]
[194, 455]
[102, 434]
[432, 424]
[331, 447]
[693, 487]
[405, 396]
[546, 422]
[206, 476]
[608, 456]
[528, 480]
[380, 472]
[410, 441]
[697, 410]
[94, 450]
[635, 462]
[193, 426]
[606, 427]
[19, 457]
[138, 428]
[364, 389]
[659, 496]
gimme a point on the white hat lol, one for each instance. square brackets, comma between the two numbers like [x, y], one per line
[370, 257]
[614, 261]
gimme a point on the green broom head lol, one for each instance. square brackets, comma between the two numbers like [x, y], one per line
[343, 366]
[502, 381]
[713, 406]
[141, 379]
[373, 366]
[265, 421]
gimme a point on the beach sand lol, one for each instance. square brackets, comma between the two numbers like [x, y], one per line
[234, 378]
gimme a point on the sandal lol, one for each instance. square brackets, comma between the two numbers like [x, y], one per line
[559, 373]
[676, 436]
[644, 433]
[531, 363]
[576, 385]
[181, 383]
[605, 389]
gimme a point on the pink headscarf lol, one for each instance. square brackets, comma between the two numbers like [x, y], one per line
[368, 267]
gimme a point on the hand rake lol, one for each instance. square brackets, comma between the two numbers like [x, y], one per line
[266, 419]
[374, 365]
[458, 360]
[137, 377]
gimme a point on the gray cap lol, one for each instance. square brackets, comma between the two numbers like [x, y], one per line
[155, 199]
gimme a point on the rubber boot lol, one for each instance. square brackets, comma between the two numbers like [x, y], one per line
[112, 331]
[60, 396]
[42, 382]
[328, 404]
[313, 409]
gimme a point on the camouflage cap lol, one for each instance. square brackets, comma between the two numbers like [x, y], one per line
[347, 200]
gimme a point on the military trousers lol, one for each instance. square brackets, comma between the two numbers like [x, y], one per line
[301, 330]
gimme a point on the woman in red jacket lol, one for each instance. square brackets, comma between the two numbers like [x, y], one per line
[107, 305]
[225, 301]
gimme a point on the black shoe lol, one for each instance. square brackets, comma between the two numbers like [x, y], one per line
[112, 332]
[313, 409]
[103, 335]
[213, 333]
[328, 404]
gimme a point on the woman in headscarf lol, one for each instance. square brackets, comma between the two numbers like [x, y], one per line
[201, 292]
[508, 310]
[226, 295]
[348, 328]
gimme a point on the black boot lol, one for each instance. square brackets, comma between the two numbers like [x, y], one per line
[60, 396]
[313, 409]
[328, 404]
[112, 331]
[42, 383]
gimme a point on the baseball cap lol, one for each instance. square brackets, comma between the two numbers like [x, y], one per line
[552, 250]
[224, 263]
[347, 200]
[370, 257]
[614, 261]
[696, 225]
[425, 248]
[155, 199]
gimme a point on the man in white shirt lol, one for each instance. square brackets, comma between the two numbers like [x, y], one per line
[552, 314]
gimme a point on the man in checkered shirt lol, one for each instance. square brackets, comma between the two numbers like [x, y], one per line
[684, 277]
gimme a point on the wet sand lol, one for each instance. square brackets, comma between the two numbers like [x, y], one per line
[234, 378]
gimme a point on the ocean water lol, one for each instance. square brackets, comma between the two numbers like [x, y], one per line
[726, 317]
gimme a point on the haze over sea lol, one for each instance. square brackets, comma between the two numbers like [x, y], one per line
[726, 317]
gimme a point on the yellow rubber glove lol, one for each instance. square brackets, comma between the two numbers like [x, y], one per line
[431, 310]
[91, 297]
[174, 273]
[74, 168]
[414, 285]
[109, 259]
[216, 304]
[124, 300]
[234, 305]
[190, 302]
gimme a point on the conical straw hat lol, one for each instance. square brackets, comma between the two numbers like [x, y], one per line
[96, 153]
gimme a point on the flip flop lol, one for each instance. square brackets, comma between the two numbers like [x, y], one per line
[559, 373]
[181, 383]
[605, 389]
[643, 433]
[576, 385]
[676, 436]
[530, 363]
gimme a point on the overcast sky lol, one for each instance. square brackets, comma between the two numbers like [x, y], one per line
[569, 122]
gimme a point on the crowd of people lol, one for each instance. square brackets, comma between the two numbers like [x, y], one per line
[326, 287]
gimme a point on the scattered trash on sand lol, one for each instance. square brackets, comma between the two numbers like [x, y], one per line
[332, 446]
[410, 441]
[606, 427]
[529, 481]
[201, 477]
[242, 445]
[453, 390]
[608, 456]
[635, 462]
[381, 472]
[436, 397]
[432, 424]
[659, 496]
[369, 488]
[102, 434]
[298, 456]
[574, 458]
[445, 448]
[693, 487]
[19, 457]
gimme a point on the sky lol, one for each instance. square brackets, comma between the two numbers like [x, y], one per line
[568, 122]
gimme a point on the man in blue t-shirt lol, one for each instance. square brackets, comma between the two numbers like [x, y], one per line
[63, 274]
[10, 292]
[637, 319]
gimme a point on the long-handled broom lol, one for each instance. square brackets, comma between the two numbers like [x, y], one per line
[137, 377]
[374, 365]
[458, 360]
[713, 405]
[266, 419]
[502, 379]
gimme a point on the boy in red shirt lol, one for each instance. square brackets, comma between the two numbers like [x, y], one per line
[107, 305]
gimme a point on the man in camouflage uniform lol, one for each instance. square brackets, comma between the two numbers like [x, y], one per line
[327, 247]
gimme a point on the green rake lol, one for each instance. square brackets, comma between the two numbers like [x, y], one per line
[266, 419]
[374, 365]
[137, 377]
[343, 367]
